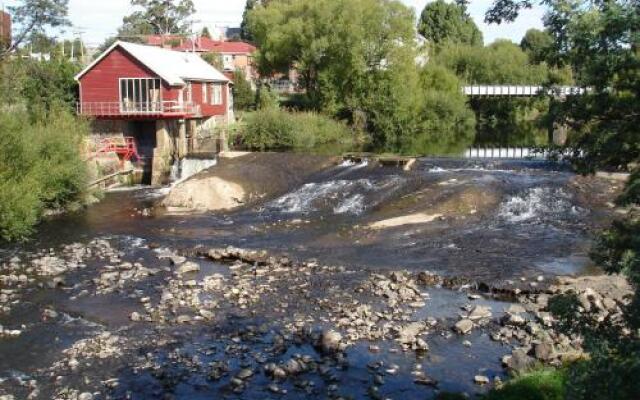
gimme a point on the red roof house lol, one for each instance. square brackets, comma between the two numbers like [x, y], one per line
[133, 81]
[235, 55]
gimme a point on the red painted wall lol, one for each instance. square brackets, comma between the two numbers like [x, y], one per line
[101, 83]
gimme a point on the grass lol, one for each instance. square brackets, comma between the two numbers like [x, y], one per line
[543, 384]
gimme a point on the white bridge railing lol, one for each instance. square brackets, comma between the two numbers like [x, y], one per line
[521, 91]
[119, 108]
[507, 152]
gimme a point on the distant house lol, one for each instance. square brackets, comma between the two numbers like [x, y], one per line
[5, 30]
[235, 55]
[162, 99]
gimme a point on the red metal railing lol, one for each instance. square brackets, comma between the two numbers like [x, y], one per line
[119, 108]
[124, 147]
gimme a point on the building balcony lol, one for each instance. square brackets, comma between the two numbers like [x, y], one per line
[160, 109]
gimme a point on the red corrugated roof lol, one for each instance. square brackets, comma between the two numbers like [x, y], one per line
[202, 44]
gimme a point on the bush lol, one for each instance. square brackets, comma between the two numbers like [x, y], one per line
[273, 129]
[544, 384]
[447, 124]
[40, 168]
[243, 96]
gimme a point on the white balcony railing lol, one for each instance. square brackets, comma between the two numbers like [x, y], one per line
[125, 108]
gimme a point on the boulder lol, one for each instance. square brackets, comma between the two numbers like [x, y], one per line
[463, 326]
[330, 341]
[188, 267]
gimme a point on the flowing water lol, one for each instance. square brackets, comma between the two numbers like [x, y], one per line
[490, 222]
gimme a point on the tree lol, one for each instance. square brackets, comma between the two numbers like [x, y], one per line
[215, 59]
[245, 32]
[243, 96]
[34, 16]
[600, 41]
[205, 33]
[161, 17]
[538, 45]
[442, 22]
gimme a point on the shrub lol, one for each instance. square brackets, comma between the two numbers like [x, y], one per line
[40, 168]
[273, 129]
[243, 96]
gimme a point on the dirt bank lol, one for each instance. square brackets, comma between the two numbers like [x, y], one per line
[241, 179]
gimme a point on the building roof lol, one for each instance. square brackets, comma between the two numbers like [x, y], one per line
[174, 67]
[202, 44]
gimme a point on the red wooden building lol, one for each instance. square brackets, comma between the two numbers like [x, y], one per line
[5, 30]
[134, 81]
[163, 101]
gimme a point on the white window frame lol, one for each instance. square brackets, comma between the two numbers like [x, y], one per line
[139, 106]
[217, 99]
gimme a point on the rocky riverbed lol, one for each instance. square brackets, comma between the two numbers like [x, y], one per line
[239, 323]
[310, 291]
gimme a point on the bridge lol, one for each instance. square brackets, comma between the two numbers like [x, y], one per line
[521, 91]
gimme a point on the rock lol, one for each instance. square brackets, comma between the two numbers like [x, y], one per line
[331, 341]
[479, 312]
[425, 381]
[135, 317]
[206, 314]
[544, 351]
[516, 309]
[85, 396]
[519, 361]
[481, 380]
[245, 373]
[188, 267]
[407, 334]
[513, 320]
[177, 260]
[7, 397]
[183, 319]
[463, 326]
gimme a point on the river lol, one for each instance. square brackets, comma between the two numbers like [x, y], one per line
[488, 225]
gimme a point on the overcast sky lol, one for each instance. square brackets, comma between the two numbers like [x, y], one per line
[98, 19]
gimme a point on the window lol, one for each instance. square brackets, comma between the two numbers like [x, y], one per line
[216, 94]
[204, 93]
[140, 95]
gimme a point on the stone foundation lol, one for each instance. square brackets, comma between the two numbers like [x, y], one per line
[161, 142]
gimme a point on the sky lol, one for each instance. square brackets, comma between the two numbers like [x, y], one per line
[99, 19]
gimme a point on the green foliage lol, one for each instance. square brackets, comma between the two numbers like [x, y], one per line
[618, 249]
[245, 32]
[631, 194]
[356, 59]
[504, 121]
[42, 87]
[447, 123]
[336, 45]
[214, 59]
[243, 96]
[205, 33]
[538, 45]
[40, 168]
[35, 16]
[444, 22]
[161, 17]
[266, 99]
[273, 129]
[502, 62]
[544, 384]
